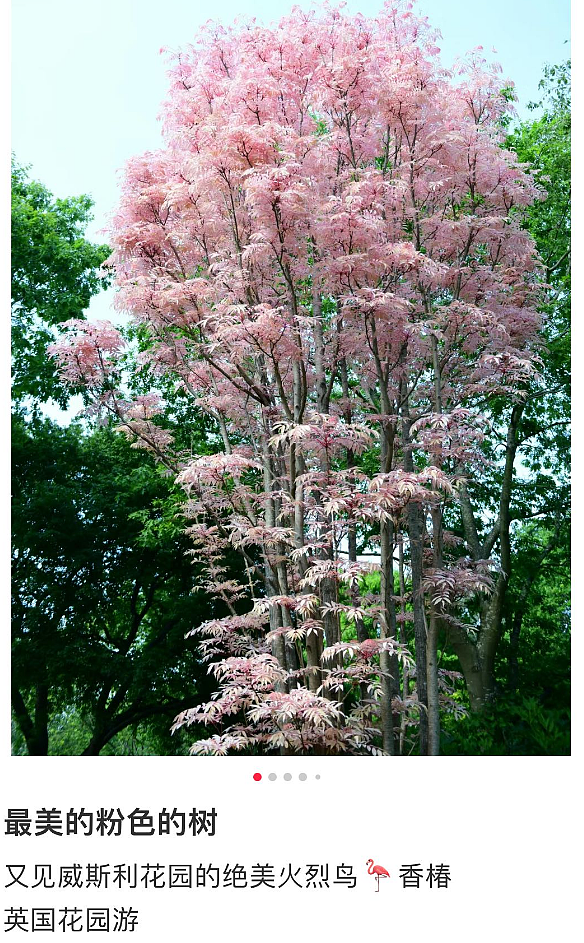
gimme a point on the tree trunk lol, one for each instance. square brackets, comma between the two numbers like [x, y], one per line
[490, 633]
[433, 690]
[477, 659]
[415, 532]
[432, 645]
[388, 605]
[403, 640]
[35, 731]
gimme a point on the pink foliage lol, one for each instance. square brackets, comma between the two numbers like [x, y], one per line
[328, 257]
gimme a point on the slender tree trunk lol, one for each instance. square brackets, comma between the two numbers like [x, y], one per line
[328, 587]
[477, 659]
[415, 532]
[313, 640]
[360, 629]
[291, 653]
[270, 574]
[490, 633]
[416, 559]
[388, 678]
[433, 689]
[403, 641]
[437, 560]
[432, 645]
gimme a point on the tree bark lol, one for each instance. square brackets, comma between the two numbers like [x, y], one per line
[388, 679]
[415, 532]
[490, 633]
[477, 659]
[34, 730]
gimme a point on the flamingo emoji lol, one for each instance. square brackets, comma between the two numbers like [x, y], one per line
[378, 871]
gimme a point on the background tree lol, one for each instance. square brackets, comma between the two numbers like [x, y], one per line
[103, 589]
[537, 446]
[544, 437]
[531, 456]
[55, 273]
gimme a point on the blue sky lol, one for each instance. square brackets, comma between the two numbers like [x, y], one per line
[88, 78]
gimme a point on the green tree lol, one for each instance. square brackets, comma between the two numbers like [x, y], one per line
[102, 587]
[103, 590]
[522, 507]
[55, 273]
[540, 537]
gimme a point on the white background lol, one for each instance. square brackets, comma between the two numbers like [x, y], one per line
[505, 826]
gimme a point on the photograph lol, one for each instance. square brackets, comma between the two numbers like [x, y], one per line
[290, 426]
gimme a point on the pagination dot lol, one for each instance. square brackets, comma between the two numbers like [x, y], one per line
[287, 777]
[257, 777]
[272, 777]
[302, 776]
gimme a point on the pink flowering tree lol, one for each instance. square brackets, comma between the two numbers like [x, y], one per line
[327, 260]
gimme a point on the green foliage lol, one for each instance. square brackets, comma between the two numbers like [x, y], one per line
[70, 732]
[515, 727]
[103, 589]
[542, 481]
[102, 586]
[544, 143]
[54, 276]
[535, 653]
[531, 715]
[530, 711]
